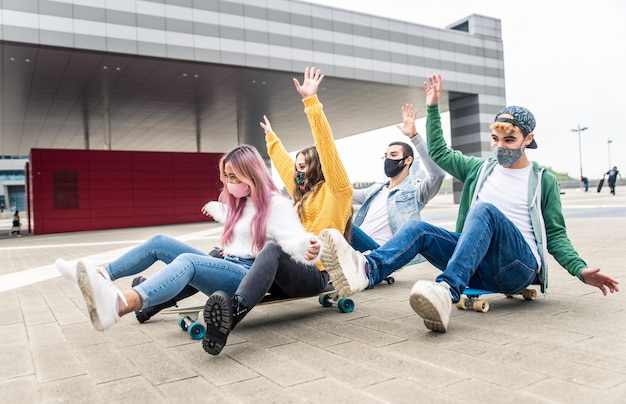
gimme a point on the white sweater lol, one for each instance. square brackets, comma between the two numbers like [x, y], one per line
[283, 227]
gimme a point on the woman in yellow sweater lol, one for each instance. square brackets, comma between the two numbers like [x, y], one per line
[322, 194]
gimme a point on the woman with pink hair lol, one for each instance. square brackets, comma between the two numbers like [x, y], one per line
[253, 212]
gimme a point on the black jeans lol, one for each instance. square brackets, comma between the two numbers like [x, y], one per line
[273, 266]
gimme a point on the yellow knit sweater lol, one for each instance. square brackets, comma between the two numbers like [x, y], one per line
[332, 204]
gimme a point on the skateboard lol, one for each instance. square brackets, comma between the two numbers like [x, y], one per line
[471, 300]
[600, 184]
[188, 316]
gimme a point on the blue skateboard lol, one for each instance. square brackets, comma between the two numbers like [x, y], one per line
[471, 298]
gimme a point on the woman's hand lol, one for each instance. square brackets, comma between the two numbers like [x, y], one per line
[312, 80]
[313, 251]
[267, 126]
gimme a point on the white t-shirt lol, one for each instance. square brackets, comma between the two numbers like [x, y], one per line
[507, 189]
[376, 223]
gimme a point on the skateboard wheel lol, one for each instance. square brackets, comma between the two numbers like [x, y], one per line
[481, 306]
[529, 294]
[462, 304]
[196, 330]
[325, 300]
[390, 280]
[346, 305]
[182, 323]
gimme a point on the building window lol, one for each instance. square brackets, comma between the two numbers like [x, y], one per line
[65, 189]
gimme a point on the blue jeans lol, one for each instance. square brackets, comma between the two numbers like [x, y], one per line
[361, 241]
[186, 265]
[275, 269]
[490, 253]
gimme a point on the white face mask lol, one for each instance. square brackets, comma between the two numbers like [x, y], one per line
[240, 190]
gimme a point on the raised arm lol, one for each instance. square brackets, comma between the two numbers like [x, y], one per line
[334, 171]
[281, 160]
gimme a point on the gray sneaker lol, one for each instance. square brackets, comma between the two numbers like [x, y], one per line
[345, 266]
[433, 303]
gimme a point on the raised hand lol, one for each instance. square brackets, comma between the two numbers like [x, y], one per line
[407, 127]
[312, 80]
[605, 283]
[267, 127]
[433, 89]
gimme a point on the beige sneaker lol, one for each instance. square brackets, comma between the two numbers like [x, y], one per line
[433, 303]
[345, 266]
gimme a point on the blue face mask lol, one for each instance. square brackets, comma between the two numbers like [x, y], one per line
[507, 157]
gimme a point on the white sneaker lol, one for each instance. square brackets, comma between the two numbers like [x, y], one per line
[433, 303]
[100, 295]
[345, 266]
[69, 271]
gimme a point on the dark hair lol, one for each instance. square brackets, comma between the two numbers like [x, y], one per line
[407, 150]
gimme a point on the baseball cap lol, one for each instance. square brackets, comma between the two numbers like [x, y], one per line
[522, 118]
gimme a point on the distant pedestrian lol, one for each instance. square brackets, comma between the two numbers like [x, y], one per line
[585, 182]
[16, 224]
[613, 173]
[1, 207]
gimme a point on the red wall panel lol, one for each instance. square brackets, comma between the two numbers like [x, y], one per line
[118, 189]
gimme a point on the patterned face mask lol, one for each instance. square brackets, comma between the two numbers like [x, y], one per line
[507, 157]
[300, 178]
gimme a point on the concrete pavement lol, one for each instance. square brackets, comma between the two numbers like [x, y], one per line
[568, 346]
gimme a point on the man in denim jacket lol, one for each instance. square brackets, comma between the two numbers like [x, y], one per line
[385, 207]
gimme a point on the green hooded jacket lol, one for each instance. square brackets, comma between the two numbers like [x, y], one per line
[544, 200]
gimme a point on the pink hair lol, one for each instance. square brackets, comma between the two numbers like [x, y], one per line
[249, 167]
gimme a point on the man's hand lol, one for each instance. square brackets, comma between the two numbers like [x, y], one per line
[433, 89]
[605, 283]
[312, 80]
[407, 127]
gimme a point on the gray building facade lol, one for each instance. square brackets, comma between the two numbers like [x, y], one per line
[197, 75]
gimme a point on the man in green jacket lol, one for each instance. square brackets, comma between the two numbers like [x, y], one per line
[509, 216]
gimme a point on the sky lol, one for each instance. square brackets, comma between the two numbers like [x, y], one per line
[564, 60]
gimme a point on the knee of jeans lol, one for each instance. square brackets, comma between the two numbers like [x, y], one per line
[159, 239]
[271, 248]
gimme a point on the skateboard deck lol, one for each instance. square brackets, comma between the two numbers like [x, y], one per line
[188, 316]
[470, 298]
[600, 184]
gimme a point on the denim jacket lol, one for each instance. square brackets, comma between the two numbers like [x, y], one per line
[405, 201]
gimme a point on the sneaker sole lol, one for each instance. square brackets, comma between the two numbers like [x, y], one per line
[218, 318]
[331, 264]
[427, 311]
[86, 289]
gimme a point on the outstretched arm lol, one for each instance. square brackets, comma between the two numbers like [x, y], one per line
[604, 282]
[281, 160]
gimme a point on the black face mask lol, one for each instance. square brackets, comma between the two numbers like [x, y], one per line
[394, 167]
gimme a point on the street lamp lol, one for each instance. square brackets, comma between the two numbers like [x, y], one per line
[609, 143]
[580, 150]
